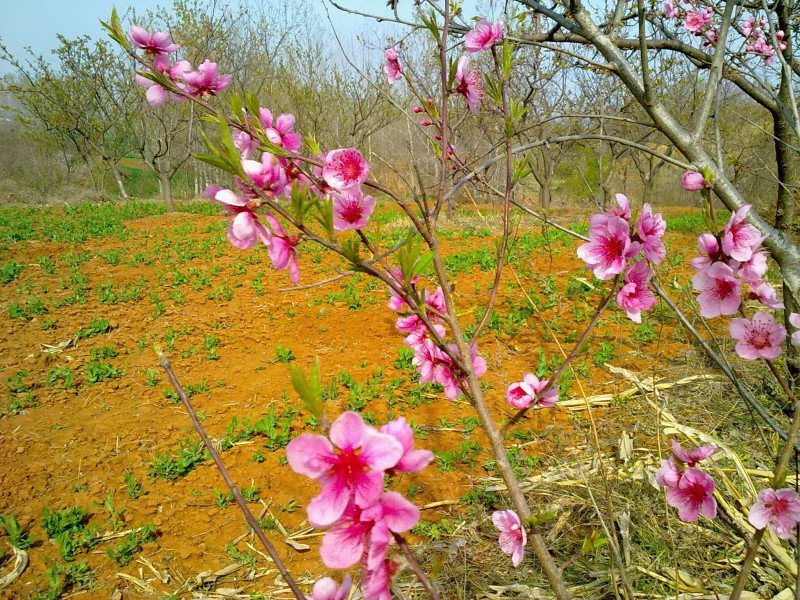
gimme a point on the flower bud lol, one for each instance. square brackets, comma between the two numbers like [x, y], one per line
[425, 122]
[417, 109]
[693, 181]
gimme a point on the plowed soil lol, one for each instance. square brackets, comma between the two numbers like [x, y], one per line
[70, 438]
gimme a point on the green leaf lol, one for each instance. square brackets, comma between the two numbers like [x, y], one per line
[592, 542]
[308, 389]
[324, 216]
[350, 249]
[539, 519]
[430, 22]
[422, 263]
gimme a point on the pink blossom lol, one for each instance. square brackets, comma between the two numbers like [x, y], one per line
[282, 250]
[693, 181]
[344, 168]
[412, 460]
[651, 228]
[635, 295]
[351, 469]
[693, 495]
[467, 85]
[740, 239]
[753, 270]
[281, 133]
[669, 9]
[396, 303]
[267, 175]
[711, 36]
[669, 474]
[152, 43]
[205, 81]
[609, 246]
[778, 508]
[696, 20]
[484, 36]
[512, 534]
[623, 208]
[359, 528]
[416, 329]
[794, 319]
[528, 392]
[392, 67]
[245, 229]
[156, 94]
[691, 457]
[760, 338]
[720, 290]
[244, 143]
[766, 294]
[747, 25]
[417, 109]
[327, 589]
[351, 209]
[709, 250]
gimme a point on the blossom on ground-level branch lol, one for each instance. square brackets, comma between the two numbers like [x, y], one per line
[245, 228]
[512, 534]
[693, 495]
[760, 337]
[609, 246]
[778, 508]
[327, 589]
[350, 466]
[528, 392]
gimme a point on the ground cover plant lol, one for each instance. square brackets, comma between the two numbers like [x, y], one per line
[470, 369]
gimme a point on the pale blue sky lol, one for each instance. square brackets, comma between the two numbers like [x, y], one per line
[35, 23]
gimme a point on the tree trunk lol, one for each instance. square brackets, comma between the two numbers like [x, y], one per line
[117, 174]
[165, 188]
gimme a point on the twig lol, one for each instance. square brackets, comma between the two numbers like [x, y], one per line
[251, 520]
[415, 566]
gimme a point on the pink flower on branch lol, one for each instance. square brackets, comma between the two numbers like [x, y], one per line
[623, 208]
[650, 228]
[206, 81]
[669, 474]
[153, 44]
[267, 175]
[778, 508]
[528, 392]
[484, 36]
[245, 229]
[282, 250]
[720, 290]
[467, 85]
[760, 338]
[696, 20]
[609, 247]
[351, 209]
[344, 168]
[367, 529]
[350, 467]
[156, 93]
[392, 67]
[753, 270]
[327, 589]
[694, 494]
[794, 319]
[709, 252]
[412, 460]
[766, 294]
[281, 133]
[693, 181]
[635, 295]
[691, 457]
[396, 303]
[740, 239]
[512, 534]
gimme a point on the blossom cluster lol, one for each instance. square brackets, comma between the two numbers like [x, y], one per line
[724, 264]
[434, 365]
[698, 21]
[689, 489]
[614, 248]
[204, 81]
[757, 42]
[466, 81]
[351, 465]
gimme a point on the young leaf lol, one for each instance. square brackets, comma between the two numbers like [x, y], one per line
[308, 389]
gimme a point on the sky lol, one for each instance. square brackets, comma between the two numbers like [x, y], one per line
[36, 23]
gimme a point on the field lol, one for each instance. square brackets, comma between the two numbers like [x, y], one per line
[100, 464]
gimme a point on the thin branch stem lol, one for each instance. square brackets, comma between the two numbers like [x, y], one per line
[237, 496]
[415, 566]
